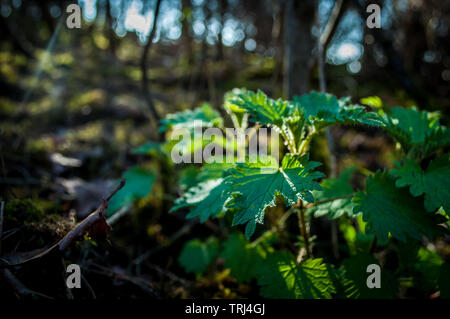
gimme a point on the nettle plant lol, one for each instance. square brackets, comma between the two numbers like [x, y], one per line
[404, 209]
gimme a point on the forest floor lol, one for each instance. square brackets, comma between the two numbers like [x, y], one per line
[65, 147]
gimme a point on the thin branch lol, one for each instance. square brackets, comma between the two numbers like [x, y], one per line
[89, 287]
[144, 66]
[89, 221]
[19, 287]
[304, 228]
[140, 282]
[2, 208]
[329, 200]
[300, 255]
[333, 22]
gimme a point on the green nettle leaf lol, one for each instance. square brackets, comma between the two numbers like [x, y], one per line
[147, 148]
[249, 188]
[238, 115]
[138, 185]
[323, 109]
[356, 271]
[418, 125]
[207, 198]
[196, 255]
[434, 182]
[331, 188]
[444, 281]
[188, 177]
[191, 176]
[416, 131]
[256, 186]
[263, 109]
[242, 258]
[345, 288]
[282, 277]
[213, 170]
[388, 209]
[426, 269]
[186, 119]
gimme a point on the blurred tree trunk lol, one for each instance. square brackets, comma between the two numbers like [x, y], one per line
[185, 30]
[277, 42]
[110, 28]
[45, 9]
[384, 39]
[144, 66]
[222, 9]
[17, 39]
[298, 45]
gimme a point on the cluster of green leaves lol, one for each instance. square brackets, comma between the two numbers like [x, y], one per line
[418, 132]
[280, 275]
[247, 189]
[404, 204]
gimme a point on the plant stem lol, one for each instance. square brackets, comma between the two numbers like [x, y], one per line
[303, 228]
[329, 200]
[290, 147]
[305, 144]
[373, 244]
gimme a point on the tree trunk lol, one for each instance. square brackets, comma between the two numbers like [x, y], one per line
[298, 46]
[144, 67]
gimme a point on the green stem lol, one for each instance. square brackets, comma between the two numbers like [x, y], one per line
[330, 200]
[290, 147]
[305, 144]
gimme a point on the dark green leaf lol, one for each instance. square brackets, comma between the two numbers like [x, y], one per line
[331, 188]
[356, 271]
[138, 185]
[242, 258]
[256, 186]
[282, 277]
[196, 255]
[434, 181]
[388, 209]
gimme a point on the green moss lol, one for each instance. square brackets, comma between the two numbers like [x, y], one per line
[19, 212]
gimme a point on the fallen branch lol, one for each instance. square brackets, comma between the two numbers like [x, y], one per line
[140, 282]
[2, 207]
[78, 231]
[19, 287]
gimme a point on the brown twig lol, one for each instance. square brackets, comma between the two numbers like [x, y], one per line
[168, 274]
[2, 207]
[144, 66]
[78, 231]
[142, 283]
[19, 287]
